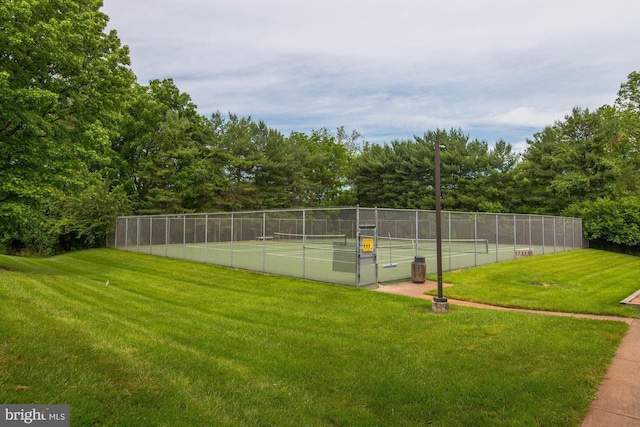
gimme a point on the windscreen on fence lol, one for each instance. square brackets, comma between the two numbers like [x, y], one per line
[326, 244]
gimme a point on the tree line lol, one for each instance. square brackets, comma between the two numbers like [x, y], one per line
[81, 141]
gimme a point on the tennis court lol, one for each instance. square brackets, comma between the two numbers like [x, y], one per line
[327, 244]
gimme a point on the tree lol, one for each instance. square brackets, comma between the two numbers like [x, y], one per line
[165, 151]
[244, 145]
[571, 161]
[265, 170]
[89, 216]
[629, 94]
[401, 174]
[624, 119]
[62, 84]
[606, 220]
[396, 175]
[328, 165]
[499, 187]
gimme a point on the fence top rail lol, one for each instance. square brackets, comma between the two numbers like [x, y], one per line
[267, 211]
[510, 214]
[336, 208]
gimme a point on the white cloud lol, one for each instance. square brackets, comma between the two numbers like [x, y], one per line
[388, 68]
[524, 116]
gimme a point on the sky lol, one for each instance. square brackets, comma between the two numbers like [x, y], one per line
[389, 69]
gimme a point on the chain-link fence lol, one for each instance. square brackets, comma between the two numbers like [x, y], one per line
[325, 244]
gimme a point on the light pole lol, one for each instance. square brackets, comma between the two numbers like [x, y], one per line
[440, 303]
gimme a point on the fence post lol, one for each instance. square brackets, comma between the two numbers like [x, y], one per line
[475, 239]
[206, 230]
[554, 235]
[449, 219]
[515, 235]
[126, 233]
[417, 234]
[166, 236]
[376, 233]
[231, 241]
[497, 239]
[304, 237]
[543, 241]
[357, 234]
[150, 235]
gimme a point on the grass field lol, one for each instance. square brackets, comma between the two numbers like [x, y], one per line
[177, 343]
[581, 281]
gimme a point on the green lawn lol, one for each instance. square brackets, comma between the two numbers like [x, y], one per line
[176, 343]
[580, 281]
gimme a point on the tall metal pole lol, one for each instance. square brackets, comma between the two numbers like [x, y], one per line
[440, 303]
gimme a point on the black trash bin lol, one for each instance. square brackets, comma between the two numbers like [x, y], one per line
[419, 269]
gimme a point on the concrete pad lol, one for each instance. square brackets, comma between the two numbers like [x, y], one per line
[618, 398]
[630, 347]
[598, 418]
[624, 370]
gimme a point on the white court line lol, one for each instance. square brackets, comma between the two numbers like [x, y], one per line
[250, 249]
[292, 253]
[300, 257]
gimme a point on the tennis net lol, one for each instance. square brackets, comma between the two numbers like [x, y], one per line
[320, 239]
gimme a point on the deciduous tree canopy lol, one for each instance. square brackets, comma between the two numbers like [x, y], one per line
[81, 142]
[63, 81]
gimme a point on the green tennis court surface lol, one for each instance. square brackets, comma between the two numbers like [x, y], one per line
[351, 246]
[326, 263]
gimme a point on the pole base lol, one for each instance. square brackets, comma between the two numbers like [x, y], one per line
[439, 305]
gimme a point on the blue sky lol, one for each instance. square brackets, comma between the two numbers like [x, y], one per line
[391, 69]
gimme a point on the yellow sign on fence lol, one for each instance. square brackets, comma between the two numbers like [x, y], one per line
[367, 245]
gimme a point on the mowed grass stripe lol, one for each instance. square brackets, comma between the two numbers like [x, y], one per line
[176, 343]
[580, 281]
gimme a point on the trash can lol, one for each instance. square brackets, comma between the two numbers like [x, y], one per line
[419, 269]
